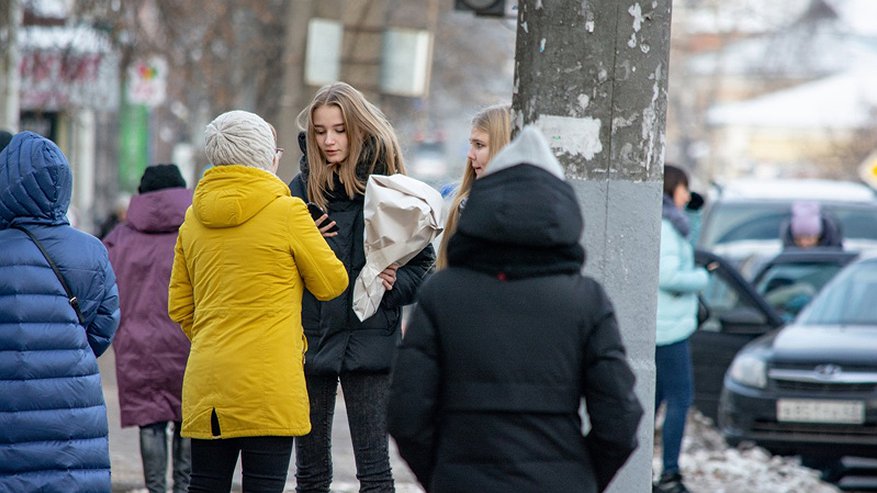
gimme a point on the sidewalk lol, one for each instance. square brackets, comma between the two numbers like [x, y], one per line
[128, 472]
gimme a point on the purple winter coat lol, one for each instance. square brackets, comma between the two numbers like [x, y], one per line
[151, 350]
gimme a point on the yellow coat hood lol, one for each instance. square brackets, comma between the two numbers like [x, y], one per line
[231, 195]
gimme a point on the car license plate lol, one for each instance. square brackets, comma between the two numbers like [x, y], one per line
[813, 411]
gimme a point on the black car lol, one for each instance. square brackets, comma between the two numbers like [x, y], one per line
[810, 388]
[734, 311]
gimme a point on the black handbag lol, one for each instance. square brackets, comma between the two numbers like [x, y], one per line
[74, 301]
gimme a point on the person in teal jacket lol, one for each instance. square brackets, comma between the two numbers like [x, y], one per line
[679, 281]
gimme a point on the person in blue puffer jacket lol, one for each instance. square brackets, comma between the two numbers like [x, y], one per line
[53, 420]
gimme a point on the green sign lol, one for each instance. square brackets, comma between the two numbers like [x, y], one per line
[133, 144]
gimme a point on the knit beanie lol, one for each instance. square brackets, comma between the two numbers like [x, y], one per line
[240, 137]
[806, 219]
[161, 176]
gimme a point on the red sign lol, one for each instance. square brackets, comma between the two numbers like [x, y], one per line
[55, 79]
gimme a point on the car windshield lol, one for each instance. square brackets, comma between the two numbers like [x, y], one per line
[790, 287]
[730, 222]
[848, 300]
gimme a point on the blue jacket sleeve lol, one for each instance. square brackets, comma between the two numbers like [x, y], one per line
[103, 325]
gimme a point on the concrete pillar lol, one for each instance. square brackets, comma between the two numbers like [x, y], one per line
[183, 155]
[83, 165]
[10, 21]
[593, 76]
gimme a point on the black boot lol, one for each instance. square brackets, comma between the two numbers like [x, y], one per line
[670, 483]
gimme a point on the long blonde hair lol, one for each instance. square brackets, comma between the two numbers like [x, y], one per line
[365, 125]
[496, 122]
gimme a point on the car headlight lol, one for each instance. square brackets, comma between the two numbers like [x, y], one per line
[749, 370]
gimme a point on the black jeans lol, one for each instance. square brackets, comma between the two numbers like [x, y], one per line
[366, 396]
[264, 464]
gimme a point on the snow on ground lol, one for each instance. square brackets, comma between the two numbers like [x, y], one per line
[709, 466]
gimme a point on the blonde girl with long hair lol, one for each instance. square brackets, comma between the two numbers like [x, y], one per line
[491, 131]
[345, 140]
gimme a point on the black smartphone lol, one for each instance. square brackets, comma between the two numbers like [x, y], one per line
[317, 212]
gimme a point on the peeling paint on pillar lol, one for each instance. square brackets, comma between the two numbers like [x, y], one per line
[572, 136]
[590, 37]
[653, 122]
[636, 12]
[518, 119]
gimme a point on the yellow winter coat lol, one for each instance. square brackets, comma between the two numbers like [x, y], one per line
[244, 255]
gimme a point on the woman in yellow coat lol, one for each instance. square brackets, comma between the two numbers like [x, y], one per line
[245, 253]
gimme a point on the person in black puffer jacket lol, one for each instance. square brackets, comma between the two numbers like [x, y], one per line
[506, 342]
[348, 139]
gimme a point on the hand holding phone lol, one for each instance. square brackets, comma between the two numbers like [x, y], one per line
[326, 225]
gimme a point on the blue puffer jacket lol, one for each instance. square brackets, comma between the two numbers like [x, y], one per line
[53, 421]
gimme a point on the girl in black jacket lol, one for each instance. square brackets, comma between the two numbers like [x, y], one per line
[347, 139]
[506, 343]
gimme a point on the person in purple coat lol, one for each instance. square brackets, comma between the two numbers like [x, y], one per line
[151, 350]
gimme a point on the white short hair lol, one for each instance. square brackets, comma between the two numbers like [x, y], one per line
[240, 137]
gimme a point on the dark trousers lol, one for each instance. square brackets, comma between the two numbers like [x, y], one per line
[154, 453]
[264, 464]
[365, 396]
[673, 385]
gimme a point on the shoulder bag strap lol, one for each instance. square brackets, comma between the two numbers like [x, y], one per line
[74, 301]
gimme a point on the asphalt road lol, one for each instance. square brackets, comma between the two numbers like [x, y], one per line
[128, 473]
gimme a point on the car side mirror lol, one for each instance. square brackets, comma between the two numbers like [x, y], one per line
[743, 320]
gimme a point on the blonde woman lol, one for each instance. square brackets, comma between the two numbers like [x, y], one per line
[245, 253]
[347, 139]
[491, 131]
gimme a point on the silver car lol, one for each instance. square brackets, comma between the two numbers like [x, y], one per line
[742, 219]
